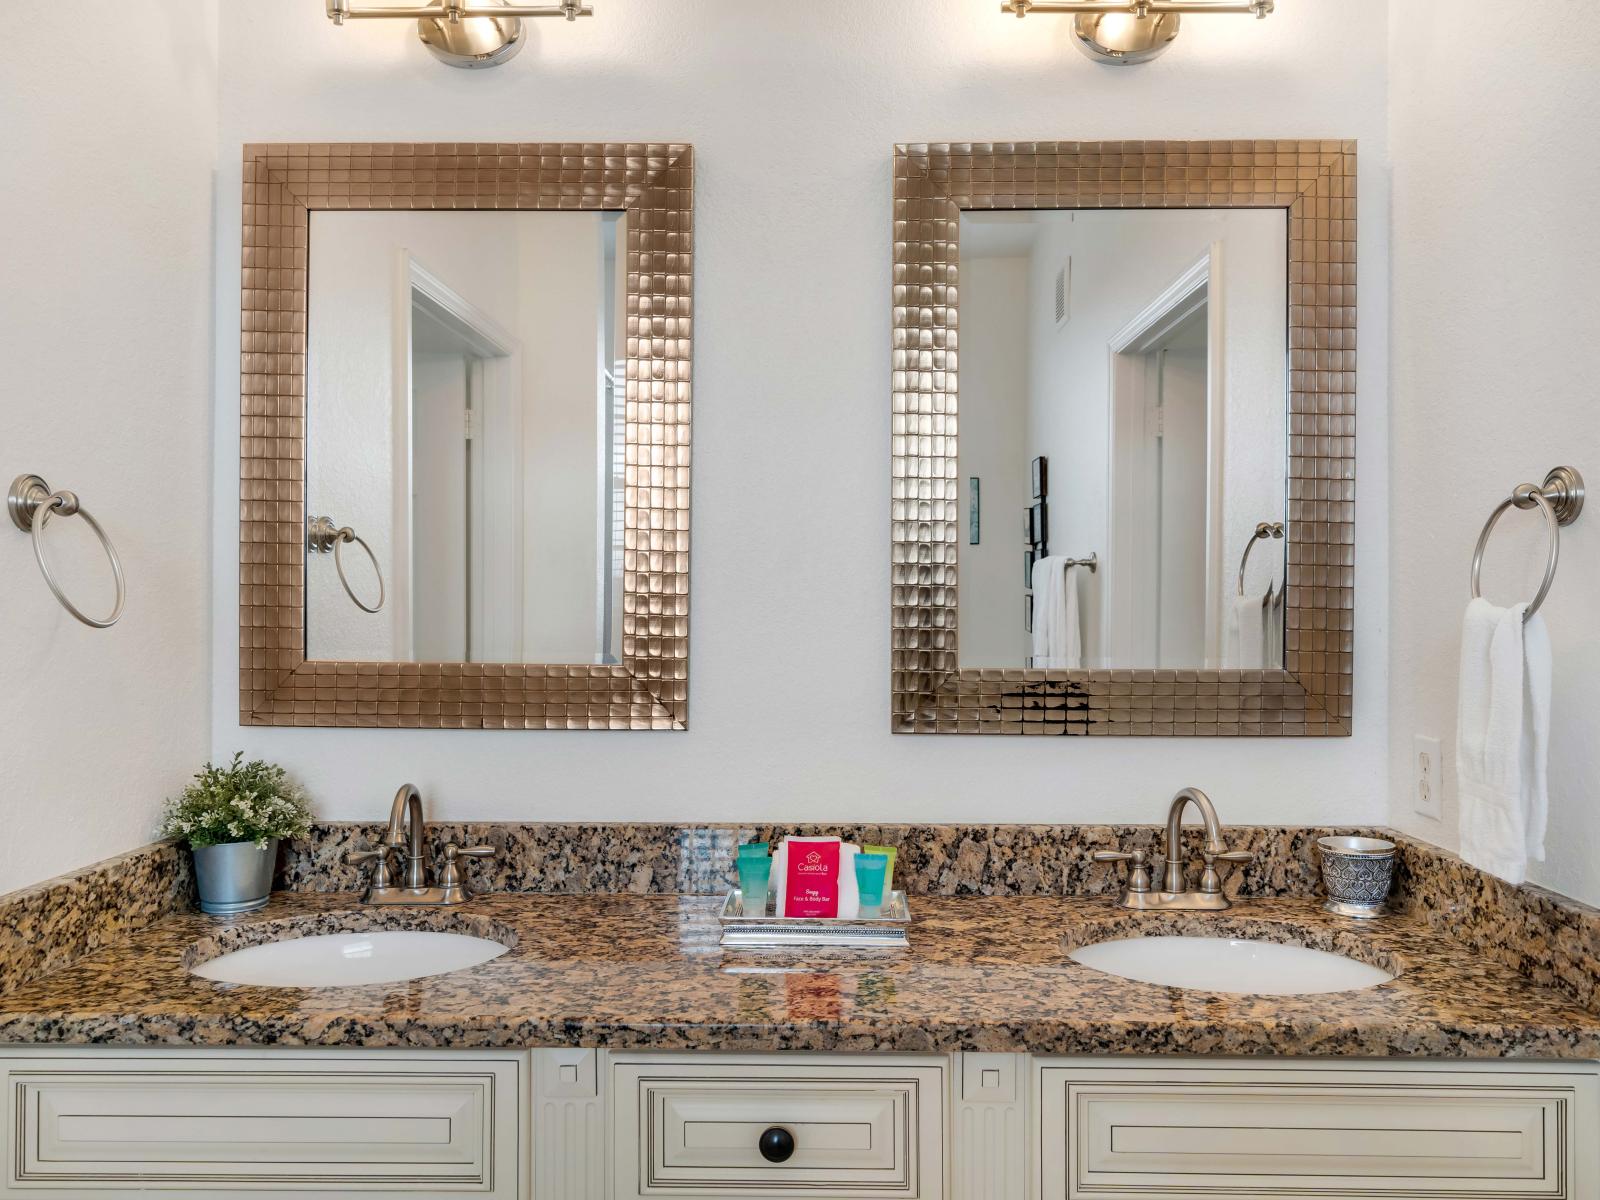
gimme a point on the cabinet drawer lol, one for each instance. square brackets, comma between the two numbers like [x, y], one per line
[1222, 1131]
[219, 1124]
[690, 1126]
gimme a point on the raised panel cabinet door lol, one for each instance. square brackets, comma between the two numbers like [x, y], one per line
[1316, 1130]
[173, 1122]
[801, 1125]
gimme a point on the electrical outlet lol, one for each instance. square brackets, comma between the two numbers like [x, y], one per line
[1427, 777]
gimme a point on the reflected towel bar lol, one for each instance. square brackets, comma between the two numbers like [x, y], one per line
[322, 535]
[1266, 529]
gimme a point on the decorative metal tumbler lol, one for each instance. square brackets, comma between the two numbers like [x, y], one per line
[1357, 872]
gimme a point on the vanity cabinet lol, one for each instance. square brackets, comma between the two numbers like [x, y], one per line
[1238, 1128]
[312, 1124]
[582, 1124]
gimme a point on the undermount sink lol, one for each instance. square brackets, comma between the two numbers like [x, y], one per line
[350, 959]
[1226, 964]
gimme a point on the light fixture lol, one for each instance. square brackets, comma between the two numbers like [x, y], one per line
[464, 33]
[1130, 31]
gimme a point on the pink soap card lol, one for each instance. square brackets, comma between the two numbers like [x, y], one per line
[812, 886]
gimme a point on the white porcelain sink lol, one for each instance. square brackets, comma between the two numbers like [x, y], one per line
[350, 959]
[1222, 964]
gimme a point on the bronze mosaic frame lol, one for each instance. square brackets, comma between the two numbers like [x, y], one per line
[1316, 182]
[278, 685]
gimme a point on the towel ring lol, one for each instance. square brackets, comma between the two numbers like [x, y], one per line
[32, 503]
[322, 535]
[1266, 529]
[1560, 500]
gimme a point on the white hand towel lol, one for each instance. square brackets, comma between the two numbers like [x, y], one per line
[1503, 738]
[1247, 634]
[1057, 631]
[1273, 616]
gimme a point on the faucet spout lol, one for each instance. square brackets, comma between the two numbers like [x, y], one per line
[1173, 879]
[405, 835]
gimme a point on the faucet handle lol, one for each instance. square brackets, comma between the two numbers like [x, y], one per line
[1210, 879]
[450, 880]
[380, 873]
[1138, 866]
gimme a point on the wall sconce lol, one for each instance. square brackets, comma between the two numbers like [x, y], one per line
[464, 33]
[1130, 31]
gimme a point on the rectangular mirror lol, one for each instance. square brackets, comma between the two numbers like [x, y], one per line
[465, 414]
[466, 406]
[1124, 438]
[1124, 399]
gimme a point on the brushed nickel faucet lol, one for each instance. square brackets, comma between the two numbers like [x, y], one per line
[404, 839]
[1175, 892]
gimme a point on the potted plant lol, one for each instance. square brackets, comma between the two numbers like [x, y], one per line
[232, 818]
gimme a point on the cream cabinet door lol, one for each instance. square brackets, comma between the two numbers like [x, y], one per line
[249, 1123]
[692, 1125]
[1221, 1130]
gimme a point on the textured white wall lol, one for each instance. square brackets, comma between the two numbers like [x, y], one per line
[106, 155]
[794, 109]
[994, 447]
[1496, 313]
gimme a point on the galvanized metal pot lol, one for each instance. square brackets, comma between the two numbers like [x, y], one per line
[1357, 872]
[234, 878]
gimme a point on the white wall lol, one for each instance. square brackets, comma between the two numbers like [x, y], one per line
[1497, 350]
[562, 282]
[794, 110]
[106, 151]
[994, 447]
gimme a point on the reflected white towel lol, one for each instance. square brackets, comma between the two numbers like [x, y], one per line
[1247, 648]
[1273, 616]
[1503, 739]
[1057, 632]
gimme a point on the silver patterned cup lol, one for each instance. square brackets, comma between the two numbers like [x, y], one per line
[1357, 871]
[235, 877]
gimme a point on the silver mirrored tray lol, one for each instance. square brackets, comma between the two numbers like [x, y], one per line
[887, 930]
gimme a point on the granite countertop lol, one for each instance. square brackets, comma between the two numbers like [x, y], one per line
[981, 973]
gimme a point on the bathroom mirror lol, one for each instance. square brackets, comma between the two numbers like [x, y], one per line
[465, 435]
[1123, 402]
[465, 416]
[1123, 422]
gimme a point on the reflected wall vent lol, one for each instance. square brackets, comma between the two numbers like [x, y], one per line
[1064, 293]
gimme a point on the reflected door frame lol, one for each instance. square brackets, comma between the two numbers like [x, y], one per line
[1128, 608]
[495, 440]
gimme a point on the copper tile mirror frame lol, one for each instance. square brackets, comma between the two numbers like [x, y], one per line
[1316, 182]
[278, 685]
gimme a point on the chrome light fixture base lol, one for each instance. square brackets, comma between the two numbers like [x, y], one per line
[1123, 39]
[472, 43]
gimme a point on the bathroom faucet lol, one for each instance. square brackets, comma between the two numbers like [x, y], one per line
[1175, 892]
[404, 838]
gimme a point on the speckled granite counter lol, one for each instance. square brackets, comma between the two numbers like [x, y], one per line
[982, 973]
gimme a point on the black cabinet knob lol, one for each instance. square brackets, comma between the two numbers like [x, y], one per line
[776, 1145]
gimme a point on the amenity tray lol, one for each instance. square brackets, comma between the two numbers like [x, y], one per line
[887, 931]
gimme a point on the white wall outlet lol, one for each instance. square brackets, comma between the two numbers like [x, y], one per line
[1427, 777]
